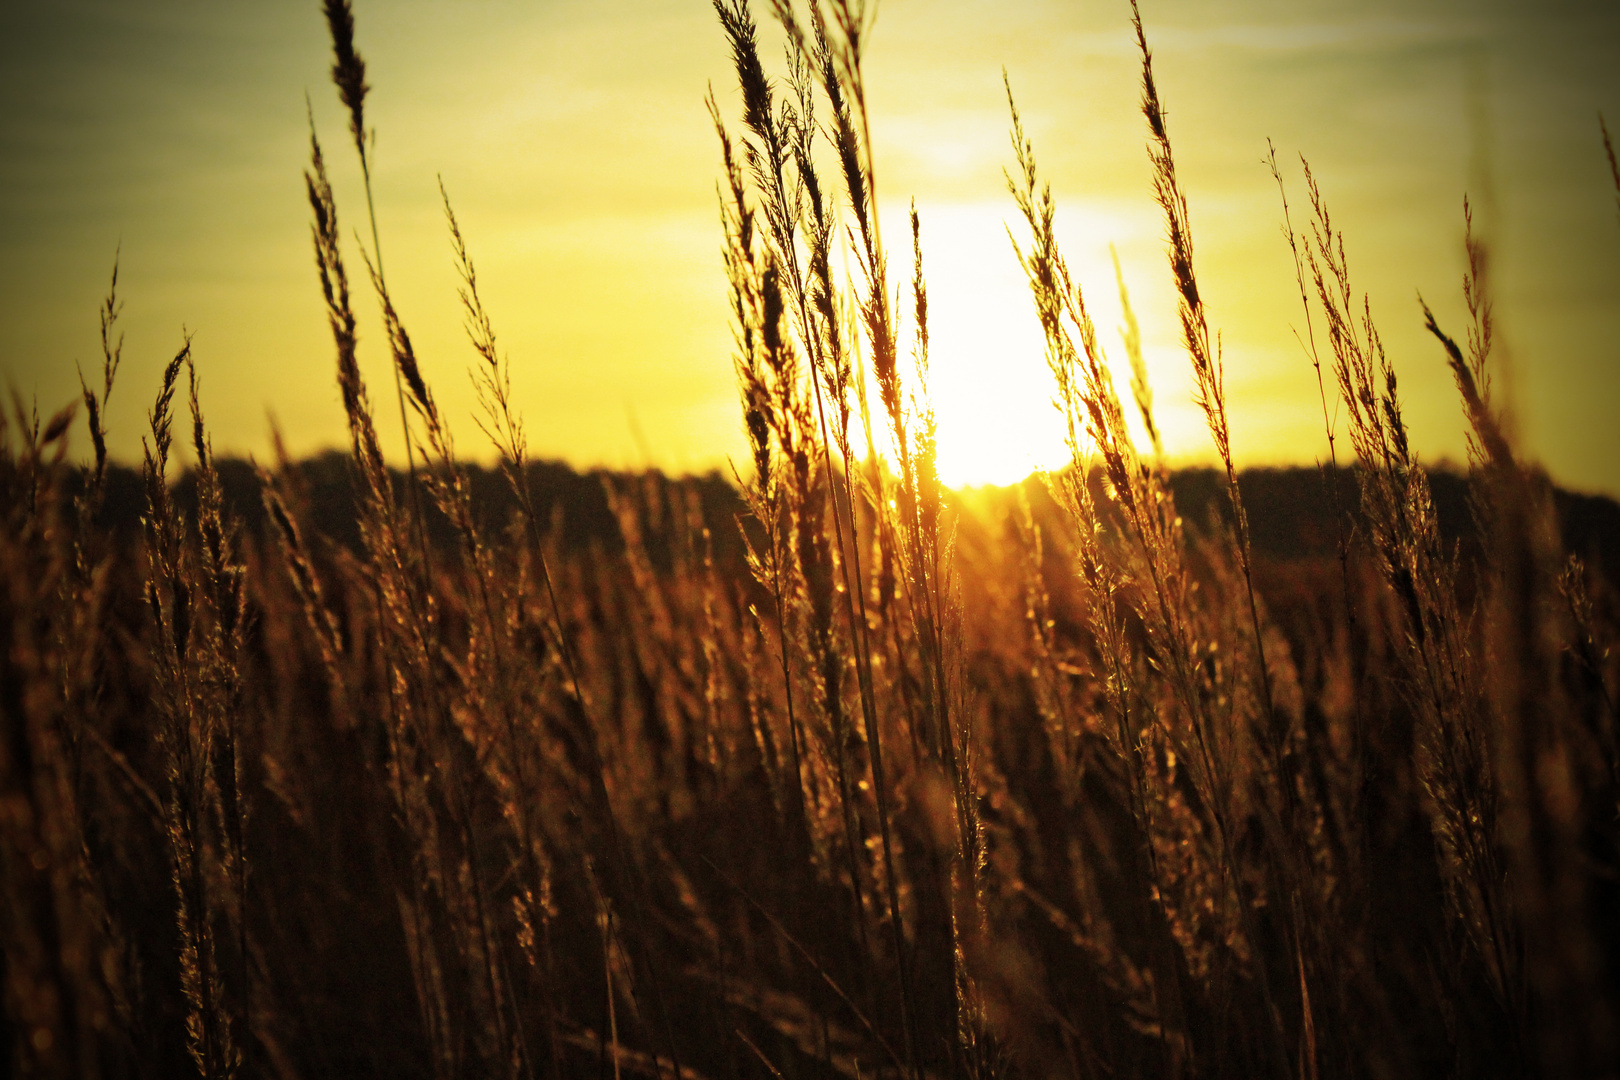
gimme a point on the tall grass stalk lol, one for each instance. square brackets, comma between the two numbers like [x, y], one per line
[349, 76]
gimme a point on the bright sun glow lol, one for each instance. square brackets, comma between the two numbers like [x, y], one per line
[990, 387]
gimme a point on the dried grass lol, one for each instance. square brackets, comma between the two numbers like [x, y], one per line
[848, 776]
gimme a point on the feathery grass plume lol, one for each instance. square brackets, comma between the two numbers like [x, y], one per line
[399, 342]
[781, 161]
[927, 548]
[381, 521]
[349, 76]
[62, 989]
[1577, 597]
[767, 373]
[1131, 337]
[415, 755]
[348, 70]
[1454, 759]
[782, 164]
[223, 639]
[1208, 370]
[826, 54]
[446, 483]
[1086, 395]
[1210, 396]
[1339, 937]
[1197, 876]
[95, 405]
[340, 317]
[919, 289]
[1308, 343]
[832, 56]
[504, 429]
[1487, 445]
[837, 59]
[300, 567]
[1554, 780]
[88, 568]
[189, 736]
[483, 677]
[1093, 415]
[503, 610]
[925, 439]
[493, 381]
[936, 614]
[90, 564]
[1487, 441]
[83, 645]
[782, 141]
[1608, 150]
[383, 518]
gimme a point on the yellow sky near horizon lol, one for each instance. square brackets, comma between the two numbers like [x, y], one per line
[573, 139]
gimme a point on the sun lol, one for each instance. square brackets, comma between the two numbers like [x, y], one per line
[989, 384]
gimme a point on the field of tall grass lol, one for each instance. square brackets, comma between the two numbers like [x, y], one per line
[829, 771]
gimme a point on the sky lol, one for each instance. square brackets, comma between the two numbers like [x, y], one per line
[573, 139]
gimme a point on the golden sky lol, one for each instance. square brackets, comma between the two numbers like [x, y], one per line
[574, 141]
